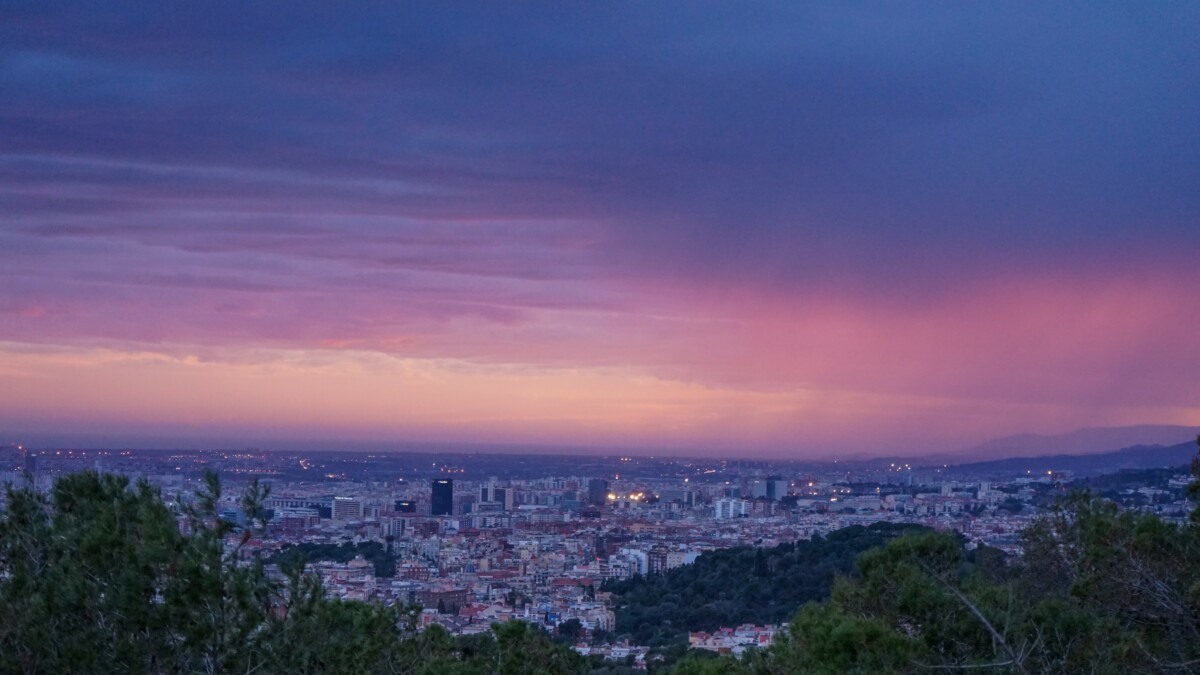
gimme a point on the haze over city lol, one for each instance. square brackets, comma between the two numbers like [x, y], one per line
[789, 230]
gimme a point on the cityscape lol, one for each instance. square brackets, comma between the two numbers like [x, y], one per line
[477, 539]
[680, 337]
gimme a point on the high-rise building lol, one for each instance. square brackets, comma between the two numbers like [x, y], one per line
[496, 497]
[681, 496]
[503, 496]
[597, 491]
[405, 506]
[398, 526]
[442, 501]
[347, 508]
[772, 488]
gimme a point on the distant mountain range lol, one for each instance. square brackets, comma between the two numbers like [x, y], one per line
[1083, 441]
[1138, 456]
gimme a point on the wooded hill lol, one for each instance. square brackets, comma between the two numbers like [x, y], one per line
[733, 586]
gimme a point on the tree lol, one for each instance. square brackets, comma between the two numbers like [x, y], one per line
[98, 578]
[82, 576]
[570, 630]
[739, 585]
[760, 564]
[824, 639]
[1098, 590]
[522, 648]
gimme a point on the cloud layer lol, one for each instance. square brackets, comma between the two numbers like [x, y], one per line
[794, 229]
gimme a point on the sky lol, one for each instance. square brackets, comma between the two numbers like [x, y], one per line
[782, 228]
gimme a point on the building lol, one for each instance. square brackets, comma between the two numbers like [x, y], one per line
[597, 491]
[773, 488]
[499, 498]
[442, 501]
[682, 496]
[324, 509]
[681, 558]
[656, 559]
[730, 508]
[347, 508]
[405, 506]
[398, 526]
[444, 599]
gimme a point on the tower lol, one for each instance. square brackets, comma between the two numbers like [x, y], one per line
[597, 491]
[442, 501]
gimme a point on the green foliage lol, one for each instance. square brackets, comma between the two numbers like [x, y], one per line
[1097, 591]
[1012, 505]
[98, 578]
[569, 631]
[740, 585]
[81, 586]
[379, 555]
[707, 663]
[829, 641]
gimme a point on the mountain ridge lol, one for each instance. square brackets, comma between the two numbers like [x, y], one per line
[1085, 441]
[1133, 457]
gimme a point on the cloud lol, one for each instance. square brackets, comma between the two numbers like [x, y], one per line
[963, 206]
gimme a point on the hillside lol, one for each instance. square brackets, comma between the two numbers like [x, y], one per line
[1087, 441]
[1137, 457]
[1098, 591]
[741, 585]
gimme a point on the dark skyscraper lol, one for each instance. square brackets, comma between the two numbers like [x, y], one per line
[406, 506]
[442, 503]
[597, 491]
[775, 488]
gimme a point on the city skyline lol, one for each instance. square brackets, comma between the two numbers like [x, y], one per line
[792, 229]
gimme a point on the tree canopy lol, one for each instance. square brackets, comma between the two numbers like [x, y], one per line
[99, 577]
[739, 585]
[1097, 590]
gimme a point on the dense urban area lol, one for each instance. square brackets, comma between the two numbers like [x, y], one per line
[632, 562]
